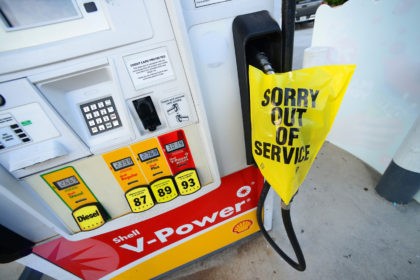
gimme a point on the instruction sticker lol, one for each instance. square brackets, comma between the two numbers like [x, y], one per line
[148, 68]
[176, 110]
[291, 115]
[180, 160]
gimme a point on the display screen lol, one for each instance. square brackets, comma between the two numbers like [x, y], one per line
[122, 163]
[150, 154]
[28, 13]
[66, 182]
[174, 146]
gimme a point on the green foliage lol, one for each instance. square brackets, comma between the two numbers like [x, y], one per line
[335, 2]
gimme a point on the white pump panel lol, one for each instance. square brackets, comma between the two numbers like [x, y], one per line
[33, 138]
[89, 102]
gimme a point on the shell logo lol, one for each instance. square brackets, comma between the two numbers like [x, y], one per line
[242, 226]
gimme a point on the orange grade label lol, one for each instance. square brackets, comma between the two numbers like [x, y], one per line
[151, 159]
[125, 169]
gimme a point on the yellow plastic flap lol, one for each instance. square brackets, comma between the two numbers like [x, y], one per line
[291, 115]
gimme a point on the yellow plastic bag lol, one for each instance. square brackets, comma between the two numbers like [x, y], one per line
[291, 115]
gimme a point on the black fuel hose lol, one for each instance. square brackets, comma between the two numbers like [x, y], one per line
[287, 222]
[264, 64]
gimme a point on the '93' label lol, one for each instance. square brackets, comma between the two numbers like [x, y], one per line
[187, 182]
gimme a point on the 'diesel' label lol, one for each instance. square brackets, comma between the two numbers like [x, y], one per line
[89, 217]
[73, 191]
[180, 160]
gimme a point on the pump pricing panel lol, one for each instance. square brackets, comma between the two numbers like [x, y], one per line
[156, 169]
[72, 190]
[148, 155]
[130, 178]
[66, 183]
[181, 162]
[122, 163]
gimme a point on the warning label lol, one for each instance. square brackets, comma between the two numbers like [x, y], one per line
[176, 110]
[149, 67]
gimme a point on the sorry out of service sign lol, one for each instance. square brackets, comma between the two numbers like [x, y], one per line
[291, 115]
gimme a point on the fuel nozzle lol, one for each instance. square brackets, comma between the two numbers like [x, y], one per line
[264, 63]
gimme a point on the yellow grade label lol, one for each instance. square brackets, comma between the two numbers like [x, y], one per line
[69, 186]
[88, 217]
[164, 189]
[124, 168]
[139, 199]
[187, 181]
[151, 159]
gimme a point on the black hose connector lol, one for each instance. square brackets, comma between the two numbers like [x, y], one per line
[300, 265]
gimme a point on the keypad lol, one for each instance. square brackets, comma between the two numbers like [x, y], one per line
[100, 115]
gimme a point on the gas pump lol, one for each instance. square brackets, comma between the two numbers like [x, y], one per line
[105, 144]
[106, 127]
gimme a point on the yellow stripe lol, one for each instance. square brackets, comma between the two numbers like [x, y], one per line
[192, 249]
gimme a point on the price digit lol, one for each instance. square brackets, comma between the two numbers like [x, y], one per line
[137, 201]
[184, 184]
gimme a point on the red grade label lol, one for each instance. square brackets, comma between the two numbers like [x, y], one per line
[178, 155]
[176, 150]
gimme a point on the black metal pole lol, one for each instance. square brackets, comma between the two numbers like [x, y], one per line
[288, 11]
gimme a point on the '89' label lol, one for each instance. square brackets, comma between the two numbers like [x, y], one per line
[164, 189]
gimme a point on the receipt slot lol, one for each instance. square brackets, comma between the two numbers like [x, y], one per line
[106, 128]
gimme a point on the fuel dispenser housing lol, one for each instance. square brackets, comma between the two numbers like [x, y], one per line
[72, 119]
[158, 113]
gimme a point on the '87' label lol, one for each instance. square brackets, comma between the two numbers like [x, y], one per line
[139, 199]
